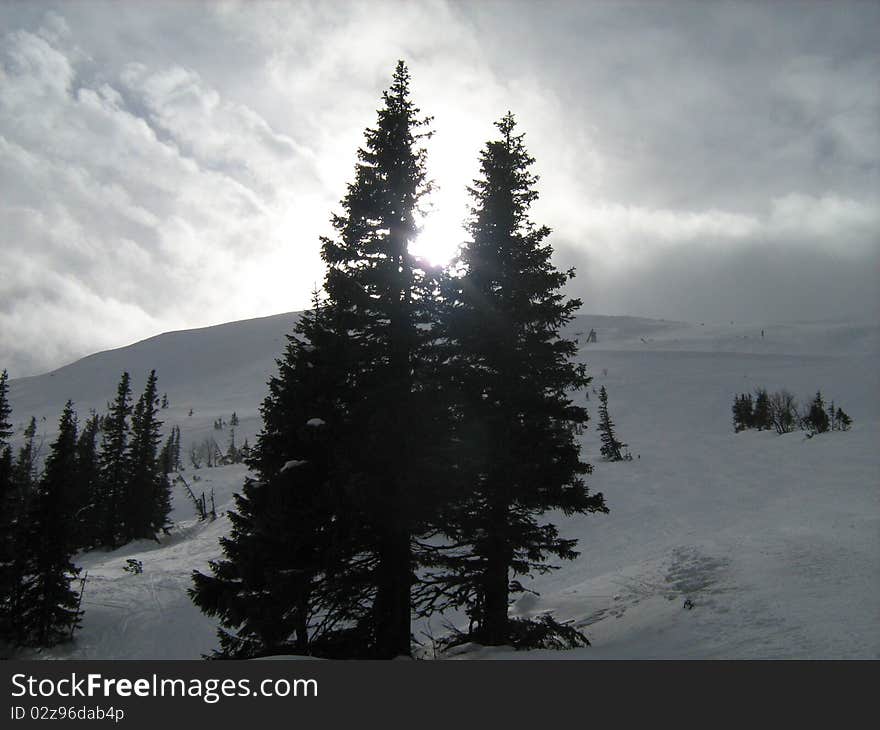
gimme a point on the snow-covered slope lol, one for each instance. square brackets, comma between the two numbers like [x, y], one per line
[774, 539]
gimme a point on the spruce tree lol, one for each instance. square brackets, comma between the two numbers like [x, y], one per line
[8, 579]
[8, 517]
[147, 499]
[169, 457]
[279, 587]
[346, 458]
[20, 487]
[87, 484]
[762, 417]
[385, 304]
[517, 422]
[5, 410]
[743, 413]
[816, 419]
[49, 605]
[611, 448]
[114, 469]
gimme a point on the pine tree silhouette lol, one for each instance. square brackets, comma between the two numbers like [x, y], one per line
[50, 606]
[514, 371]
[611, 448]
[114, 468]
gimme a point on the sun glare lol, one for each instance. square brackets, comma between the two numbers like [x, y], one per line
[438, 240]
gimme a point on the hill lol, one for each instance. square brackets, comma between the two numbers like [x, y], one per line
[772, 539]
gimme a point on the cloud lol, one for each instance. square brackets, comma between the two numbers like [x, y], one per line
[170, 165]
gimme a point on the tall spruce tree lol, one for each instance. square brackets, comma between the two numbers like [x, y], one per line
[347, 456]
[515, 372]
[8, 516]
[5, 410]
[50, 606]
[146, 502]
[114, 466]
[87, 483]
[384, 300]
[21, 494]
[611, 449]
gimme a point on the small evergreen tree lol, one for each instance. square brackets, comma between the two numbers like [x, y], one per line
[86, 485]
[816, 418]
[49, 605]
[147, 501]
[114, 467]
[761, 416]
[166, 455]
[843, 420]
[612, 449]
[232, 455]
[9, 580]
[5, 410]
[743, 412]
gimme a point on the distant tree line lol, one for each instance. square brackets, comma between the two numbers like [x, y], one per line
[779, 411]
[102, 485]
[420, 428]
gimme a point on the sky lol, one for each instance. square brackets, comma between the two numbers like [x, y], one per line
[172, 165]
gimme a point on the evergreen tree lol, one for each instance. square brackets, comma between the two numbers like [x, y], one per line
[762, 418]
[9, 580]
[50, 606]
[344, 458]
[114, 468]
[279, 587]
[843, 420]
[5, 410]
[611, 448]
[816, 419]
[24, 470]
[385, 304]
[20, 486]
[169, 457]
[517, 423]
[232, 456]
[743, 413]
[87, 486]
[147, 499]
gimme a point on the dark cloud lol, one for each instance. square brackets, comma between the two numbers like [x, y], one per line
[172, 164]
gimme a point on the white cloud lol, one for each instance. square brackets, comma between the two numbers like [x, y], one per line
[173, 164]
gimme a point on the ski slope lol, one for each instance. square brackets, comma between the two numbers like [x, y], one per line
[774, 540]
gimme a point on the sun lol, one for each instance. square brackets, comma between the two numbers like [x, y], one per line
[438, 240]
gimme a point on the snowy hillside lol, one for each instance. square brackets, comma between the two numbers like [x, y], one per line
[774, 539]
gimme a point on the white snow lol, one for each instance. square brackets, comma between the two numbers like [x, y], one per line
[774, 539]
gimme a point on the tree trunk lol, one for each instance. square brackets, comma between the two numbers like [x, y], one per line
[392, 607]
[496, 587]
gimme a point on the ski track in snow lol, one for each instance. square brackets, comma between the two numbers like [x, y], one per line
[773, 539]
